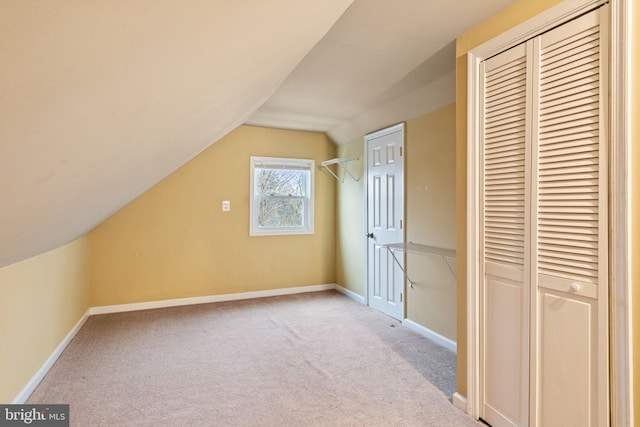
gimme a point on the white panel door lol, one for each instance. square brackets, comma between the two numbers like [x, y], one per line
[504, 326]
[571, 225]
[385, 213]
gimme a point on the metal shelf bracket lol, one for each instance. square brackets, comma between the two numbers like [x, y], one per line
[446, 255]
[340, 162]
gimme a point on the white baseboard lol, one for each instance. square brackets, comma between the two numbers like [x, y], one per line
[120, 308]
[460, 402]
[44, 369]
[429, 334]
[354, 296]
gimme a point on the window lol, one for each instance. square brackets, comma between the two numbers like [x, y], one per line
[281, 196]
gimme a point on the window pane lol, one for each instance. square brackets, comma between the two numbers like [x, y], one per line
[281, 182]
[281, 196]
[280, 212]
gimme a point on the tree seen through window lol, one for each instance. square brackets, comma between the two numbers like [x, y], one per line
[281, 196]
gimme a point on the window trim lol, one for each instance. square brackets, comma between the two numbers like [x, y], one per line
[294, 163]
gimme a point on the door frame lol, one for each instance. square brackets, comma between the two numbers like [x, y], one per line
[619, 191]
[367, 137]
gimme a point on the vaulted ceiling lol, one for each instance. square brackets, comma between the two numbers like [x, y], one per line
[101, 100]
[381, 63]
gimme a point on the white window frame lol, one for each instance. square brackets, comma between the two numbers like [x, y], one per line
[284, 163]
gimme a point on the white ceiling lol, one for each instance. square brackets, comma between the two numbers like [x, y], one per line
[99, 101]
[383, 62]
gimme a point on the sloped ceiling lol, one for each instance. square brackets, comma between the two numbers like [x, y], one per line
[100, 100]
[382, 63]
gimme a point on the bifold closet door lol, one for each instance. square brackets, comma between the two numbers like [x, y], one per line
[544, 229]
[571, 225]
[504, 330]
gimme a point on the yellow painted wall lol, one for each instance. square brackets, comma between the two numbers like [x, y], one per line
[429, 212]
[174, 241]
[635, 202]
[461, 223]
[485, 31]
[430, 218]
[41, 300]
[350, 250]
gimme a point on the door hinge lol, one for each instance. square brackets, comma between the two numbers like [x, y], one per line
[400, 151]
[400, 296]
[400, 224]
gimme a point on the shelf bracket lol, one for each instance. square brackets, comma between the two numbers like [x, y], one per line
[340, 162]
[446, 255]
[406, 276]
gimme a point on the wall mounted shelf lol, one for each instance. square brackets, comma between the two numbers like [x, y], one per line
[446, 255]
[340, 162]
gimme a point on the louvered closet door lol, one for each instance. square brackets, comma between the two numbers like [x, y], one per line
[544, 225]
[505, 291]
[570, 227]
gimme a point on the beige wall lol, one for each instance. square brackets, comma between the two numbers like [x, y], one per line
[350, 248]
[41, 299]
[508, 18]
[430, 218]
[174, 241]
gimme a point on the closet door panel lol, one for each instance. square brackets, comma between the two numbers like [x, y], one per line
[505, 292]
[567, 328]
[570, 226]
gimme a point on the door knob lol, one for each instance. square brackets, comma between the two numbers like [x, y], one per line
[370, 235]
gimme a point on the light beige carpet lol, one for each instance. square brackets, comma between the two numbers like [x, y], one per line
[317, 359]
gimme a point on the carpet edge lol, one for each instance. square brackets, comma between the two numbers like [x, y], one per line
[431, 335]
[354, 296]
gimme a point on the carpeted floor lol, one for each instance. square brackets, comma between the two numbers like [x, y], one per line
[316, 359]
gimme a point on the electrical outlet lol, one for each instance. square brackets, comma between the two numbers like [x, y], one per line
[226, 206]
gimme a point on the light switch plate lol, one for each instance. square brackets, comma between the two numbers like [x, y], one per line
[226, 206]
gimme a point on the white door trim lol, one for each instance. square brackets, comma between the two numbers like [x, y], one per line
[620, 317]
[367, 137]
[620, 270]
